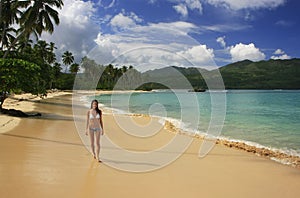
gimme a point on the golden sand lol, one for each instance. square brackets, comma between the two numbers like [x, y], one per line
[45, 157]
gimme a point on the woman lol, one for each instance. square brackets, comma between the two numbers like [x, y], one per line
[94, 127]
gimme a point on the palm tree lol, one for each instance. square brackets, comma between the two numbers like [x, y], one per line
[56, 70]
[37, 17]
[6, 36]
[74, 68]
[24, 44]
[67, 59]
[8, 16]
[55, 74]
[91, 70]
[45, 51]
[124, 69]
[51, 55]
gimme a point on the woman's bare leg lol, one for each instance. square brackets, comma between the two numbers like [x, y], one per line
[92, 142]
[97, 134]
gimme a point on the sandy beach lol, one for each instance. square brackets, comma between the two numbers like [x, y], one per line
[45, 157]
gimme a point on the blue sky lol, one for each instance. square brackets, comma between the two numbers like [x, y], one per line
[154, 33]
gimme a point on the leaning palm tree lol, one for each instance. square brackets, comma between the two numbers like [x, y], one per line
[39, 15]
[37, 18]
[9, 12]
[67, 59]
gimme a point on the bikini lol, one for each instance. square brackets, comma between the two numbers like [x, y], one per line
[97, 117]
[92, 116]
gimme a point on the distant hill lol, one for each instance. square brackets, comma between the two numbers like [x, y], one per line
[176, 77]
[271, 74]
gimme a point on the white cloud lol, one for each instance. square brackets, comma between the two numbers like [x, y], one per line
[153, 46]
[248, 16]
[121, 21]
[106, 4]
[198, 54]
[135, 17]
[181, 9]
[222, 42]
[182, 6]
[247, 4]
[76, 30]
[280, 55]
[284, 23]
[242, 51]
[225, 27]
[278, 51]
[194, 5]
[178, 27]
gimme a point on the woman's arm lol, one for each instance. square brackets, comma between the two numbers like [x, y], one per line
[101, 123]
[87, 122]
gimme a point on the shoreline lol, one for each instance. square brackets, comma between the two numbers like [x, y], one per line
[273, 154]
[23, 102]
[44, 157]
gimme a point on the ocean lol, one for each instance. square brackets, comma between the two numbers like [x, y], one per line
[261, 118]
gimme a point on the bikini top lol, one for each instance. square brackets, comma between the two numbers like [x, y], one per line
[92, 116]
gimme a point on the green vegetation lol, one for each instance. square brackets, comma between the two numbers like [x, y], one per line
[26, 66]
[107, 77]
[67, 58]
[271, 74]
[19, 75]
[33, 18]
[175, 77]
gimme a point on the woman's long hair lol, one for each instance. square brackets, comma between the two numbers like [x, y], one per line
[97, 108]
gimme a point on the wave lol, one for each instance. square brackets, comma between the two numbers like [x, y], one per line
[284, 156]
[281, 155]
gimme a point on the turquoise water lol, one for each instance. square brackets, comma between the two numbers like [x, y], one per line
[261, 117]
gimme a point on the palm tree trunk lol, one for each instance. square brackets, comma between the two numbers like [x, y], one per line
[3, 35]
[3, 32]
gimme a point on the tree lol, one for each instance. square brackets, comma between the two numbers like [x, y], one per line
[19, 75]
[55, 74]
[7, 36]
[37, 17]
[91, 73]
[67, 59]
[8, 16]
[40, 14]
[28, 68]
[124, 69]
[56, 70]
[45, 51]
[74, 68]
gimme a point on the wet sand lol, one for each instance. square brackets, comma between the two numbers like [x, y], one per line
[45, 157]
